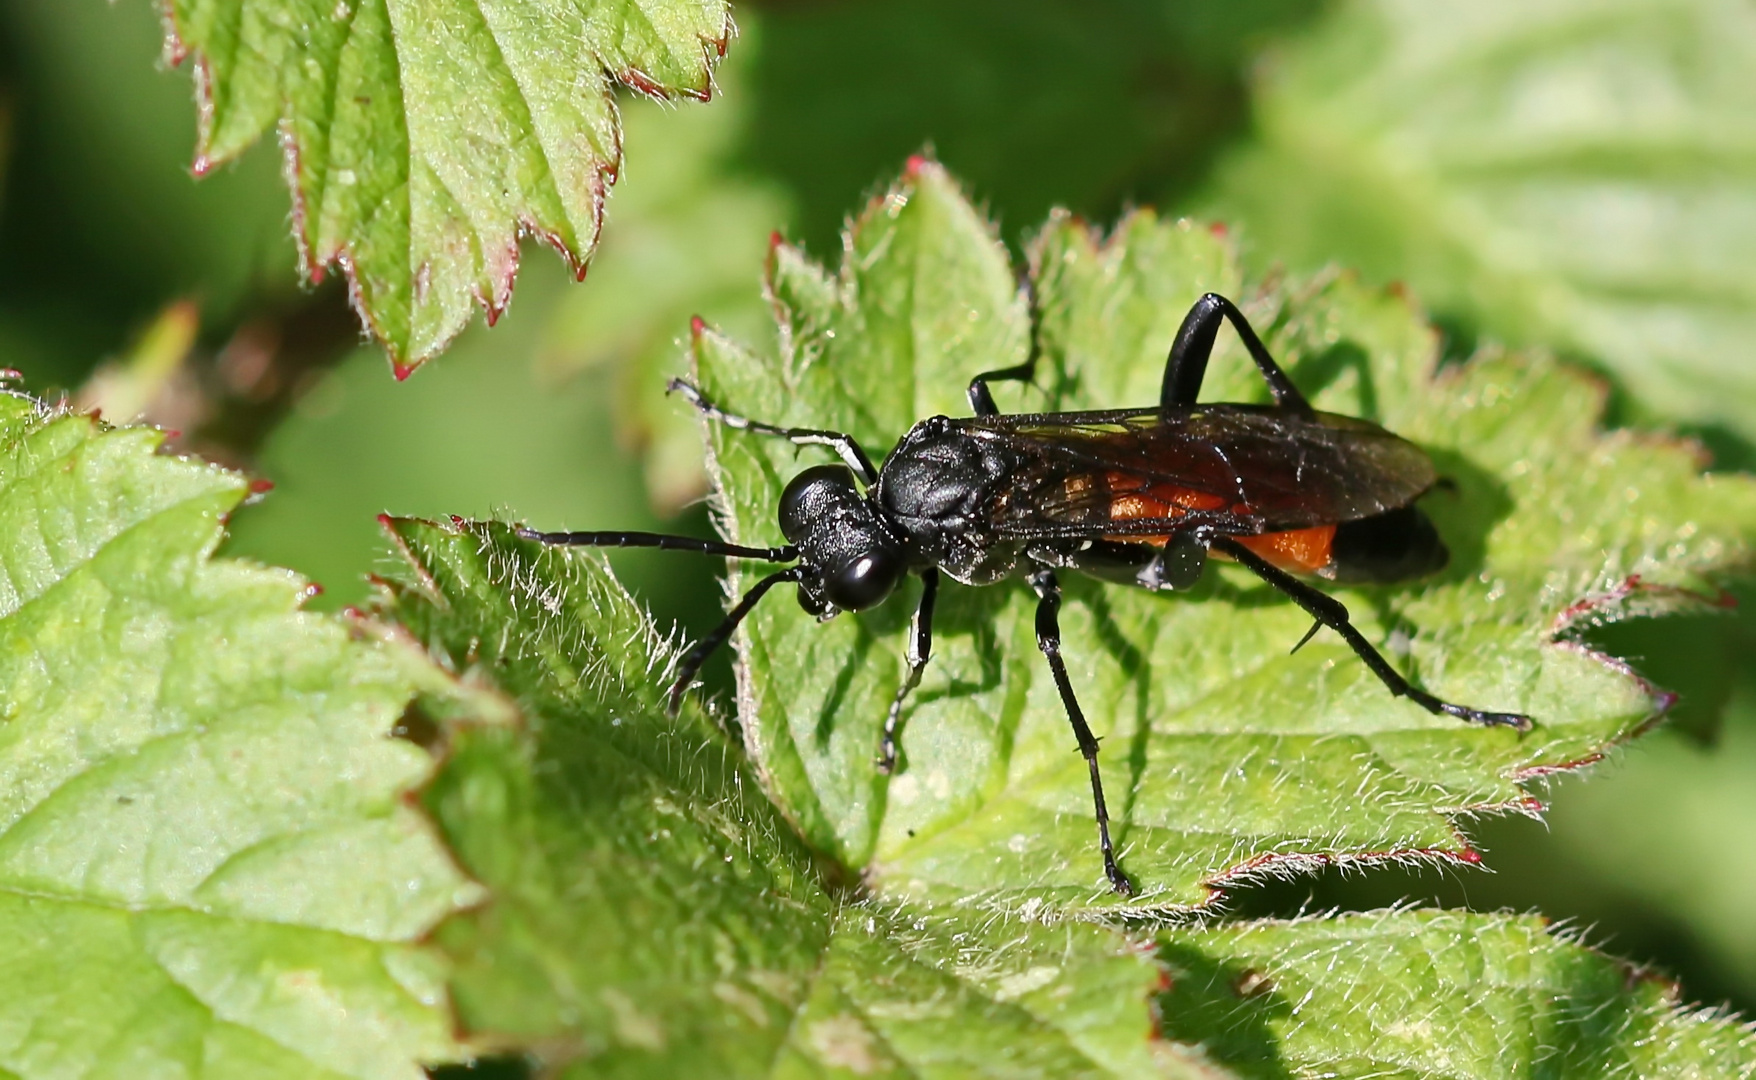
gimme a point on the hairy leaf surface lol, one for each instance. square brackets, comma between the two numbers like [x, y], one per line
[206, 864]
[1223, 756]
[653, 915]
[1430, 994]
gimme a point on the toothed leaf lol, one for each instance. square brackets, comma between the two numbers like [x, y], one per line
[206, 863]
[1223, 756]
[1429, 994]
[424, 137]
[653, 915]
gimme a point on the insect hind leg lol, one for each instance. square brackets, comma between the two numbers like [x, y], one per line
[845, 446]
[1187, 364]
[1330, 612]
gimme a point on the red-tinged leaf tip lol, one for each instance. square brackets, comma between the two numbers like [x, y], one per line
[644, 83]
[201, 166]
[916, 162]
[10, 375]
[401, 370]
[258, 487]
[697, 326]
[1470, 855]
[775, 240]
[493, 314]
[353, 612]
[312, 591]
[171, 434]
[1219, 229]
[457, 522]
[387, 521]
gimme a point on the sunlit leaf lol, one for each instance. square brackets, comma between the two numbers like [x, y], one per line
[207, 866]
[423, 138]
[1430, 994]
[1224, 756]
[653, 915]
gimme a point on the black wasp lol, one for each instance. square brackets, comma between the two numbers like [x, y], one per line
[1136, 496]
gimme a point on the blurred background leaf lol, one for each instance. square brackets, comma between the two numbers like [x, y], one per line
[1031, 104]
[1579, 174]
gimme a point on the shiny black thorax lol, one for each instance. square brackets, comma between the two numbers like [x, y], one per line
[937, 488]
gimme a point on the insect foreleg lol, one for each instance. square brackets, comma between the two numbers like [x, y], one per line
[1187, 364]
[844, 446]
[691, 663]
[920, 650]
[1330, 612]
[1048, 592]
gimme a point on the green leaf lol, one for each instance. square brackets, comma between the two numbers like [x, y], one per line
[1225, 757]
[652, 914]
[424, 137]
[1432, 993]
[1581, 175]
[206, 862]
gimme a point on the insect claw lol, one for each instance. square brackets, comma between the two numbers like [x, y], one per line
[1118, 880]
[1309, 634]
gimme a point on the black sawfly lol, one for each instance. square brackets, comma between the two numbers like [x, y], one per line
[1135, 496]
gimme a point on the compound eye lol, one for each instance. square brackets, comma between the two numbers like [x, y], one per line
[865, 582]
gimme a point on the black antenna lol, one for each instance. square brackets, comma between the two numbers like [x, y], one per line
[663, 541]
[704, 648]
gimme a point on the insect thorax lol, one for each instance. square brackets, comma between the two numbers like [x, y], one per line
[936, 488]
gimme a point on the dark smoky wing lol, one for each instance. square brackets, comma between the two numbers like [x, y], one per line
[1271, 470]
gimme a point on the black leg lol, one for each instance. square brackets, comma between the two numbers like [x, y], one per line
[844, 445]
[698, 655]
[658, 540]
[1187, 364]
[1049, 640]
[1330, 612]
[981, 401]
[920, 650]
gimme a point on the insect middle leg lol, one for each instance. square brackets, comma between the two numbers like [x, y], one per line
[920, 650]
[1193, 347]
[1048, 592]
[981, 400]
[1330, 612]
[844, 446]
